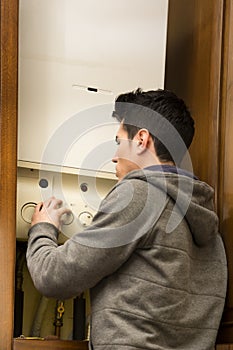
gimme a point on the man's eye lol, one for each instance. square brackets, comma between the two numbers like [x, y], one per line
[117, 142]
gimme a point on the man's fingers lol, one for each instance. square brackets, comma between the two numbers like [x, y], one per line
[39, 206]
[51, 203]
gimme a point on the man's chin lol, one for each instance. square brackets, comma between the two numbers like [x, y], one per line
[118, 176]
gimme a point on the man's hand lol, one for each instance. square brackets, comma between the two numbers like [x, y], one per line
[49, 211]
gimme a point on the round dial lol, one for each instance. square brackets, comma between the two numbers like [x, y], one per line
[85, 218]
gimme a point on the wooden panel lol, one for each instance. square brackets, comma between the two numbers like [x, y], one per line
[8, 131]
[225, 195]
[193, 71]
[199, 68]
[21, 344]
[224, 347]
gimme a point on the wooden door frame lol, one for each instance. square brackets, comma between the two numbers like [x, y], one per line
[8, 164]
[225, 198]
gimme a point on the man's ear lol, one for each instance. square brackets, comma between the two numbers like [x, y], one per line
[142, 138]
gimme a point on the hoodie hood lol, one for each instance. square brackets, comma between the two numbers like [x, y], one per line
[191, 197]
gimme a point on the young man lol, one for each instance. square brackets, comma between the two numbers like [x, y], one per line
[152, 258]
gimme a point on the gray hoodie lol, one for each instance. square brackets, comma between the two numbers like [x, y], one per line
[153, 260]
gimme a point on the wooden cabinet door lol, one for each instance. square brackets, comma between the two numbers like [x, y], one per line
[8, 157]
[193, 71]
[199, 68]
[225, 193]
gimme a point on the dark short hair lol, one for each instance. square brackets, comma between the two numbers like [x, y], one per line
[155, 110]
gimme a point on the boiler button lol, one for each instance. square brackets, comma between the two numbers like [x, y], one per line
[85, 218]
[68, 218]
[27, 211]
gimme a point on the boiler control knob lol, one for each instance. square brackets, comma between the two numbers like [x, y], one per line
[85, 218]
[67, 219]
[27, 211]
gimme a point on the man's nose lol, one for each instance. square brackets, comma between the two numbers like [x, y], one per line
[115, 159]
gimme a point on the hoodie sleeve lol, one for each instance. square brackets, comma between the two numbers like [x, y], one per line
[81, 262]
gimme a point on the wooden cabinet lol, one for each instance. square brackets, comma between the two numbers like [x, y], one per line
[224, 347]
[225, 190]
[8, 132]
[193, 71]
[199, 68]
[25, 344]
